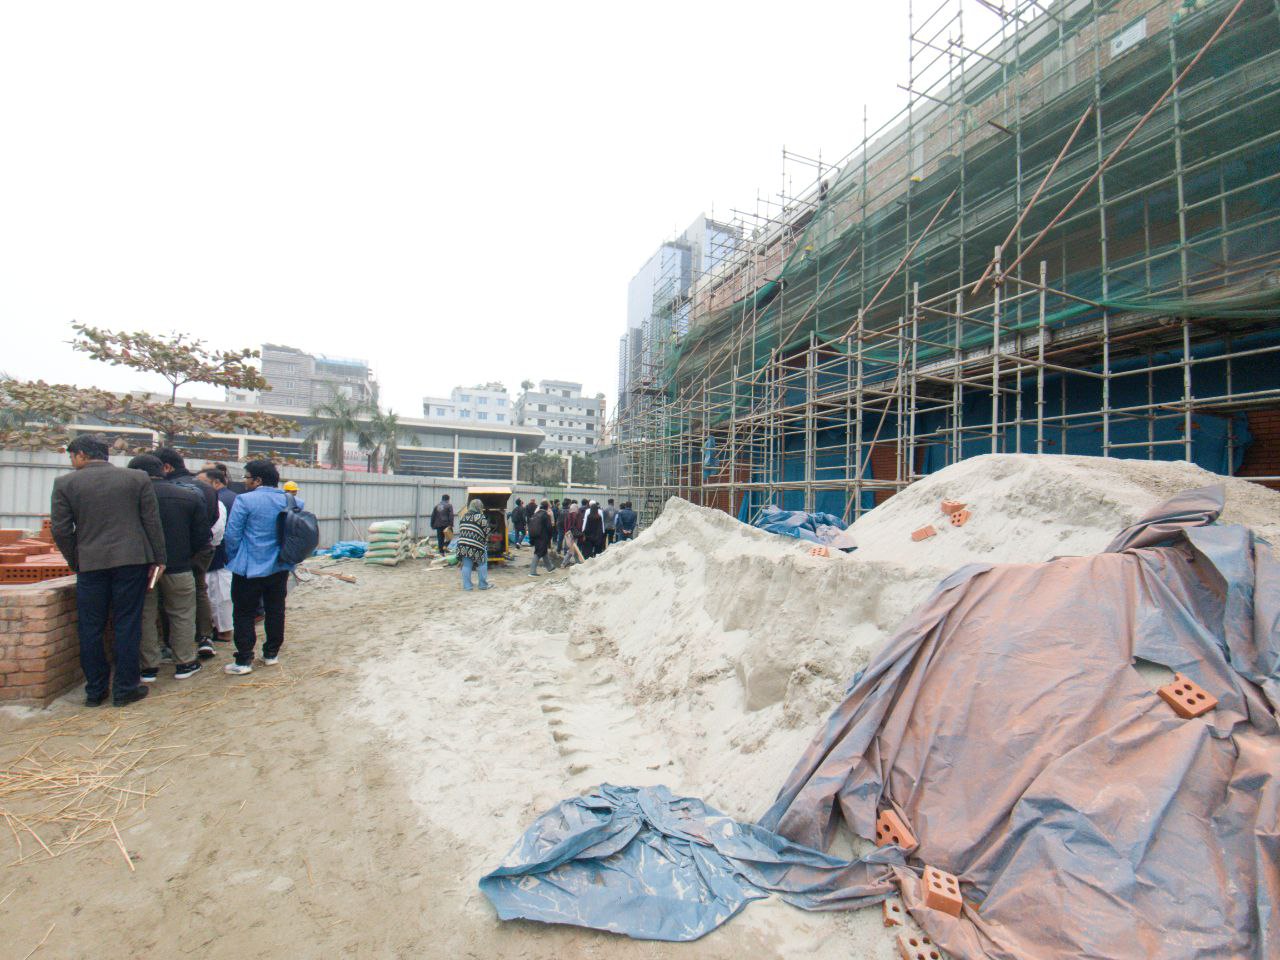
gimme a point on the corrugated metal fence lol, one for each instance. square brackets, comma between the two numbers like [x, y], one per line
[344, 503]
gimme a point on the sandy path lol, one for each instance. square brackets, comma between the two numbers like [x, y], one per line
[305, 829]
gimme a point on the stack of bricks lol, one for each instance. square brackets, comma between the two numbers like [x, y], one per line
[39, 643]
[30, 559]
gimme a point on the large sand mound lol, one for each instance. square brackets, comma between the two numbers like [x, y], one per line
[731, 644]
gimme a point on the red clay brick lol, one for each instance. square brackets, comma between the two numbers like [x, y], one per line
[891, 830]
[916, 946]
[1187, 697]
[941, 891]
[960, 518]
[894, 915]
[924, 533]
[951, 506]
[819, 552]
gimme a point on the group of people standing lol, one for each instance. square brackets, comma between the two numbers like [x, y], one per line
[579, 530]
[173, 559]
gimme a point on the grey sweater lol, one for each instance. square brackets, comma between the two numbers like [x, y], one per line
[105, 516]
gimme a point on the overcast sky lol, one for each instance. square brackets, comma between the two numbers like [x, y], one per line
[456, 193]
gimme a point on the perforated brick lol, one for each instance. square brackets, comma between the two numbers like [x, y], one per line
[960, 518]
[894, 915]
[916, 946]
[924, 533]
[819, 552]
[890, 829]
[951, 506]
[1187, 697]
[941, 891]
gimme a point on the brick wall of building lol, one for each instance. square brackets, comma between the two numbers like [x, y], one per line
[1262, 457]
[39, 645]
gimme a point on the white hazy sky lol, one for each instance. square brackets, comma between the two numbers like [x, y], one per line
[456, 193]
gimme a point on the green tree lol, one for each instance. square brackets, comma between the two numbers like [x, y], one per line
[339, 417]
[179, 358]
[378, 438]
[37, 414]
[542, 469]
[585, 468]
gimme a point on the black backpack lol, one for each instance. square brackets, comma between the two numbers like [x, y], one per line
[298, 532]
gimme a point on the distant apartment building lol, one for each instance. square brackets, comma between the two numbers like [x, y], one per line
[488, 403]
[573, 423]
[302, 381]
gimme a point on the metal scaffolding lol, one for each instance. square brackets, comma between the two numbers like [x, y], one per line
[1065, 243]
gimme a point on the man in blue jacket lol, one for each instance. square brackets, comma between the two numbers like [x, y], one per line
[258, 576]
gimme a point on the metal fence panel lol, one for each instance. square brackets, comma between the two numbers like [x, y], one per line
[344, 503]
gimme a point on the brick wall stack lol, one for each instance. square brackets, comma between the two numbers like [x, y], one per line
[1262, 456]
[39, 646]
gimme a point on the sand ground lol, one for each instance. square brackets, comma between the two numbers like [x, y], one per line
[269, 816]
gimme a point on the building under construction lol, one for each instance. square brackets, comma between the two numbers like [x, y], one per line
[1066, 242]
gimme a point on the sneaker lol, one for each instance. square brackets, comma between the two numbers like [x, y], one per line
[485, 586]
[166, 655]
[133, 696]
[223, 637]
[95, 701]
[533, 574]
[184, 670]
[270, 661]
[149, 676]
[204, 648]
[237, 669]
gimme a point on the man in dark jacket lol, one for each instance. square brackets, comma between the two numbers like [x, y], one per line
[107, 524]
[540, 530]
[530, 509]
[442, 520]
[175, 470]
[626, 522]
[519, 522]
[186, 533]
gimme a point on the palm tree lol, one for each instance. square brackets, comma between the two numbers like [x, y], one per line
[377, 437]
[338, 416]
[390, 424]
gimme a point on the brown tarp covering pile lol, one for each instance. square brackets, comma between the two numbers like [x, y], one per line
[1007, 725]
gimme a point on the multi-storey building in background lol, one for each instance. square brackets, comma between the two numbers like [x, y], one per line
[658, 298]
[302, 381]
[573, 423]
[488, 403]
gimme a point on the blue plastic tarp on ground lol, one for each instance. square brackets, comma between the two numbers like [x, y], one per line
[825, 529]
[644, 862]
[1006, 725]
[344, 548]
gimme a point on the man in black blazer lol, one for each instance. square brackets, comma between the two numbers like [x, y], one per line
[107, 524]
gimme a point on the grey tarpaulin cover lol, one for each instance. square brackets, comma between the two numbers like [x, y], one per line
[1006, 724]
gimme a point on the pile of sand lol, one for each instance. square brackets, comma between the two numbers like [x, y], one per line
[729, 644]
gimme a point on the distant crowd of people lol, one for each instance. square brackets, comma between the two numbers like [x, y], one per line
[177, 561]
[579, 530]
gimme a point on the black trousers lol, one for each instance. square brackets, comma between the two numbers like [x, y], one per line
[247, 593]
[118, 592]
[440, 540]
